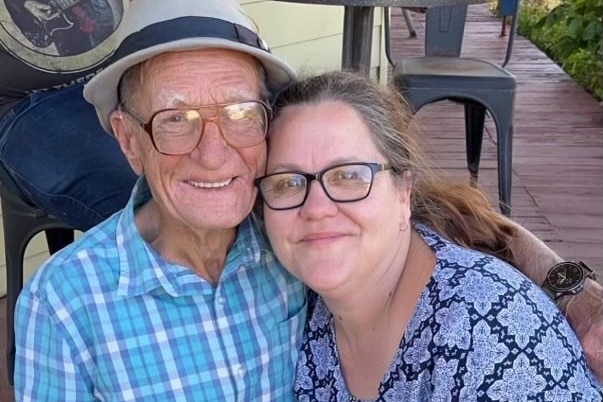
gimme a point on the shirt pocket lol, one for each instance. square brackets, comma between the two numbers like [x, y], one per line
[284, 342]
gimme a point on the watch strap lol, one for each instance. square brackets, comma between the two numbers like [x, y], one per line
[588, 271]
[549, 291]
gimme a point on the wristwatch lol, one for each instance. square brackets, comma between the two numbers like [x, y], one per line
[566, 278]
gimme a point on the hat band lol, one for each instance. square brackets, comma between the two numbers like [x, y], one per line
[188, 28]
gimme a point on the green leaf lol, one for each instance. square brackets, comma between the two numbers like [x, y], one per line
[575, 28]
[590, 31]
[571, 34]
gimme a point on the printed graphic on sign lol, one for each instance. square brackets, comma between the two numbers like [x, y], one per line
[78, 33]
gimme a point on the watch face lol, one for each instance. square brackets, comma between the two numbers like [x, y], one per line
[565, 277]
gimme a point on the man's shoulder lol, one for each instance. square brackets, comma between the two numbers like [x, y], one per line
[92, 258]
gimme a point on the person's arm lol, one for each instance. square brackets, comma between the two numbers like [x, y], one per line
[584, 310]
[44, 366]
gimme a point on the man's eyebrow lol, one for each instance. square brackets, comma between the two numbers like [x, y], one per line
[179, 102]
[238, 97]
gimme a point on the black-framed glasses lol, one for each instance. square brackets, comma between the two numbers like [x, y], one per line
[346, 182]
[178, 131]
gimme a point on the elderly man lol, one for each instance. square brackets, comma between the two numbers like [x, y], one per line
[177, 296]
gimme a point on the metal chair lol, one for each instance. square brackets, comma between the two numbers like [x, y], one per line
[410, 25]
[21, 221]
[479, 85]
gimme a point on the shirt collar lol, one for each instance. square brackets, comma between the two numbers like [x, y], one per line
[143, 270]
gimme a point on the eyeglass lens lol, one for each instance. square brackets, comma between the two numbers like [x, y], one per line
[341, 183]
[178, 131]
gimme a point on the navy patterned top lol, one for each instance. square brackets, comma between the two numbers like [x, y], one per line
[480, 331]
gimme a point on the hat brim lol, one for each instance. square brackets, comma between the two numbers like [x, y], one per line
[101, 91]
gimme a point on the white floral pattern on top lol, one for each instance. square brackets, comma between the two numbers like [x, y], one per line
[480, 331]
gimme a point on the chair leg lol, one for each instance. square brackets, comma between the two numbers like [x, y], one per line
[501, 108]
[409, 23]
[505, 171]
[15, 250]
[22, 228]
[58, 239]
[475, 115]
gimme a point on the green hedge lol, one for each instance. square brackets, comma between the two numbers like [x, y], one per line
[571, 34]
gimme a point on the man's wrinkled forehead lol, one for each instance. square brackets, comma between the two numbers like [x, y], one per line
[198, 77]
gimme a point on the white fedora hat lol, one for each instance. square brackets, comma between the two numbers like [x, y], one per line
[151, 27]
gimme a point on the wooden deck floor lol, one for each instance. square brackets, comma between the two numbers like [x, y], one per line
[557, 144]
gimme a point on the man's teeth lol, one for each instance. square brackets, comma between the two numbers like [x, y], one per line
[200, 184]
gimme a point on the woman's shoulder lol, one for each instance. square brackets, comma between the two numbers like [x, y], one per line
[460, 266]
[478, 283]
[480, 313]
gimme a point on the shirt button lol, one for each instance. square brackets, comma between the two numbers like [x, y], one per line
[221, 300]
[239, 370]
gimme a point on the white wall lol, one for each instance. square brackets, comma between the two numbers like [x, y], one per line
[310, 37]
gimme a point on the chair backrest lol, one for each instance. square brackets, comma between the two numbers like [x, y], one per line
[445, 26]
[9, 189]
[444, 29]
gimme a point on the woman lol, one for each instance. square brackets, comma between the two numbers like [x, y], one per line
[405, 310]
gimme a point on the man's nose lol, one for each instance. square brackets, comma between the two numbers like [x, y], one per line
[212, 148]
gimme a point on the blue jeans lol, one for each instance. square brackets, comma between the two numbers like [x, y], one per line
[60, 157]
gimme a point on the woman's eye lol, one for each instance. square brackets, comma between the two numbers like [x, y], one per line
[288, 184]
[348, 175]
[345, 175]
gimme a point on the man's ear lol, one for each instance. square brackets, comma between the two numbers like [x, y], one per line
[127, 139]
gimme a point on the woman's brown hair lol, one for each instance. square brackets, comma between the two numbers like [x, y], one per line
[452, 207]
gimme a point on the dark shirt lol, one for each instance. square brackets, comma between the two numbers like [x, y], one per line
[49, 45]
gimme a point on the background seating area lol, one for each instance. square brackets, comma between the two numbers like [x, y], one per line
[557, 140]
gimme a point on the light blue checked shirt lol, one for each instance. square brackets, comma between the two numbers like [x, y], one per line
[108, 319]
